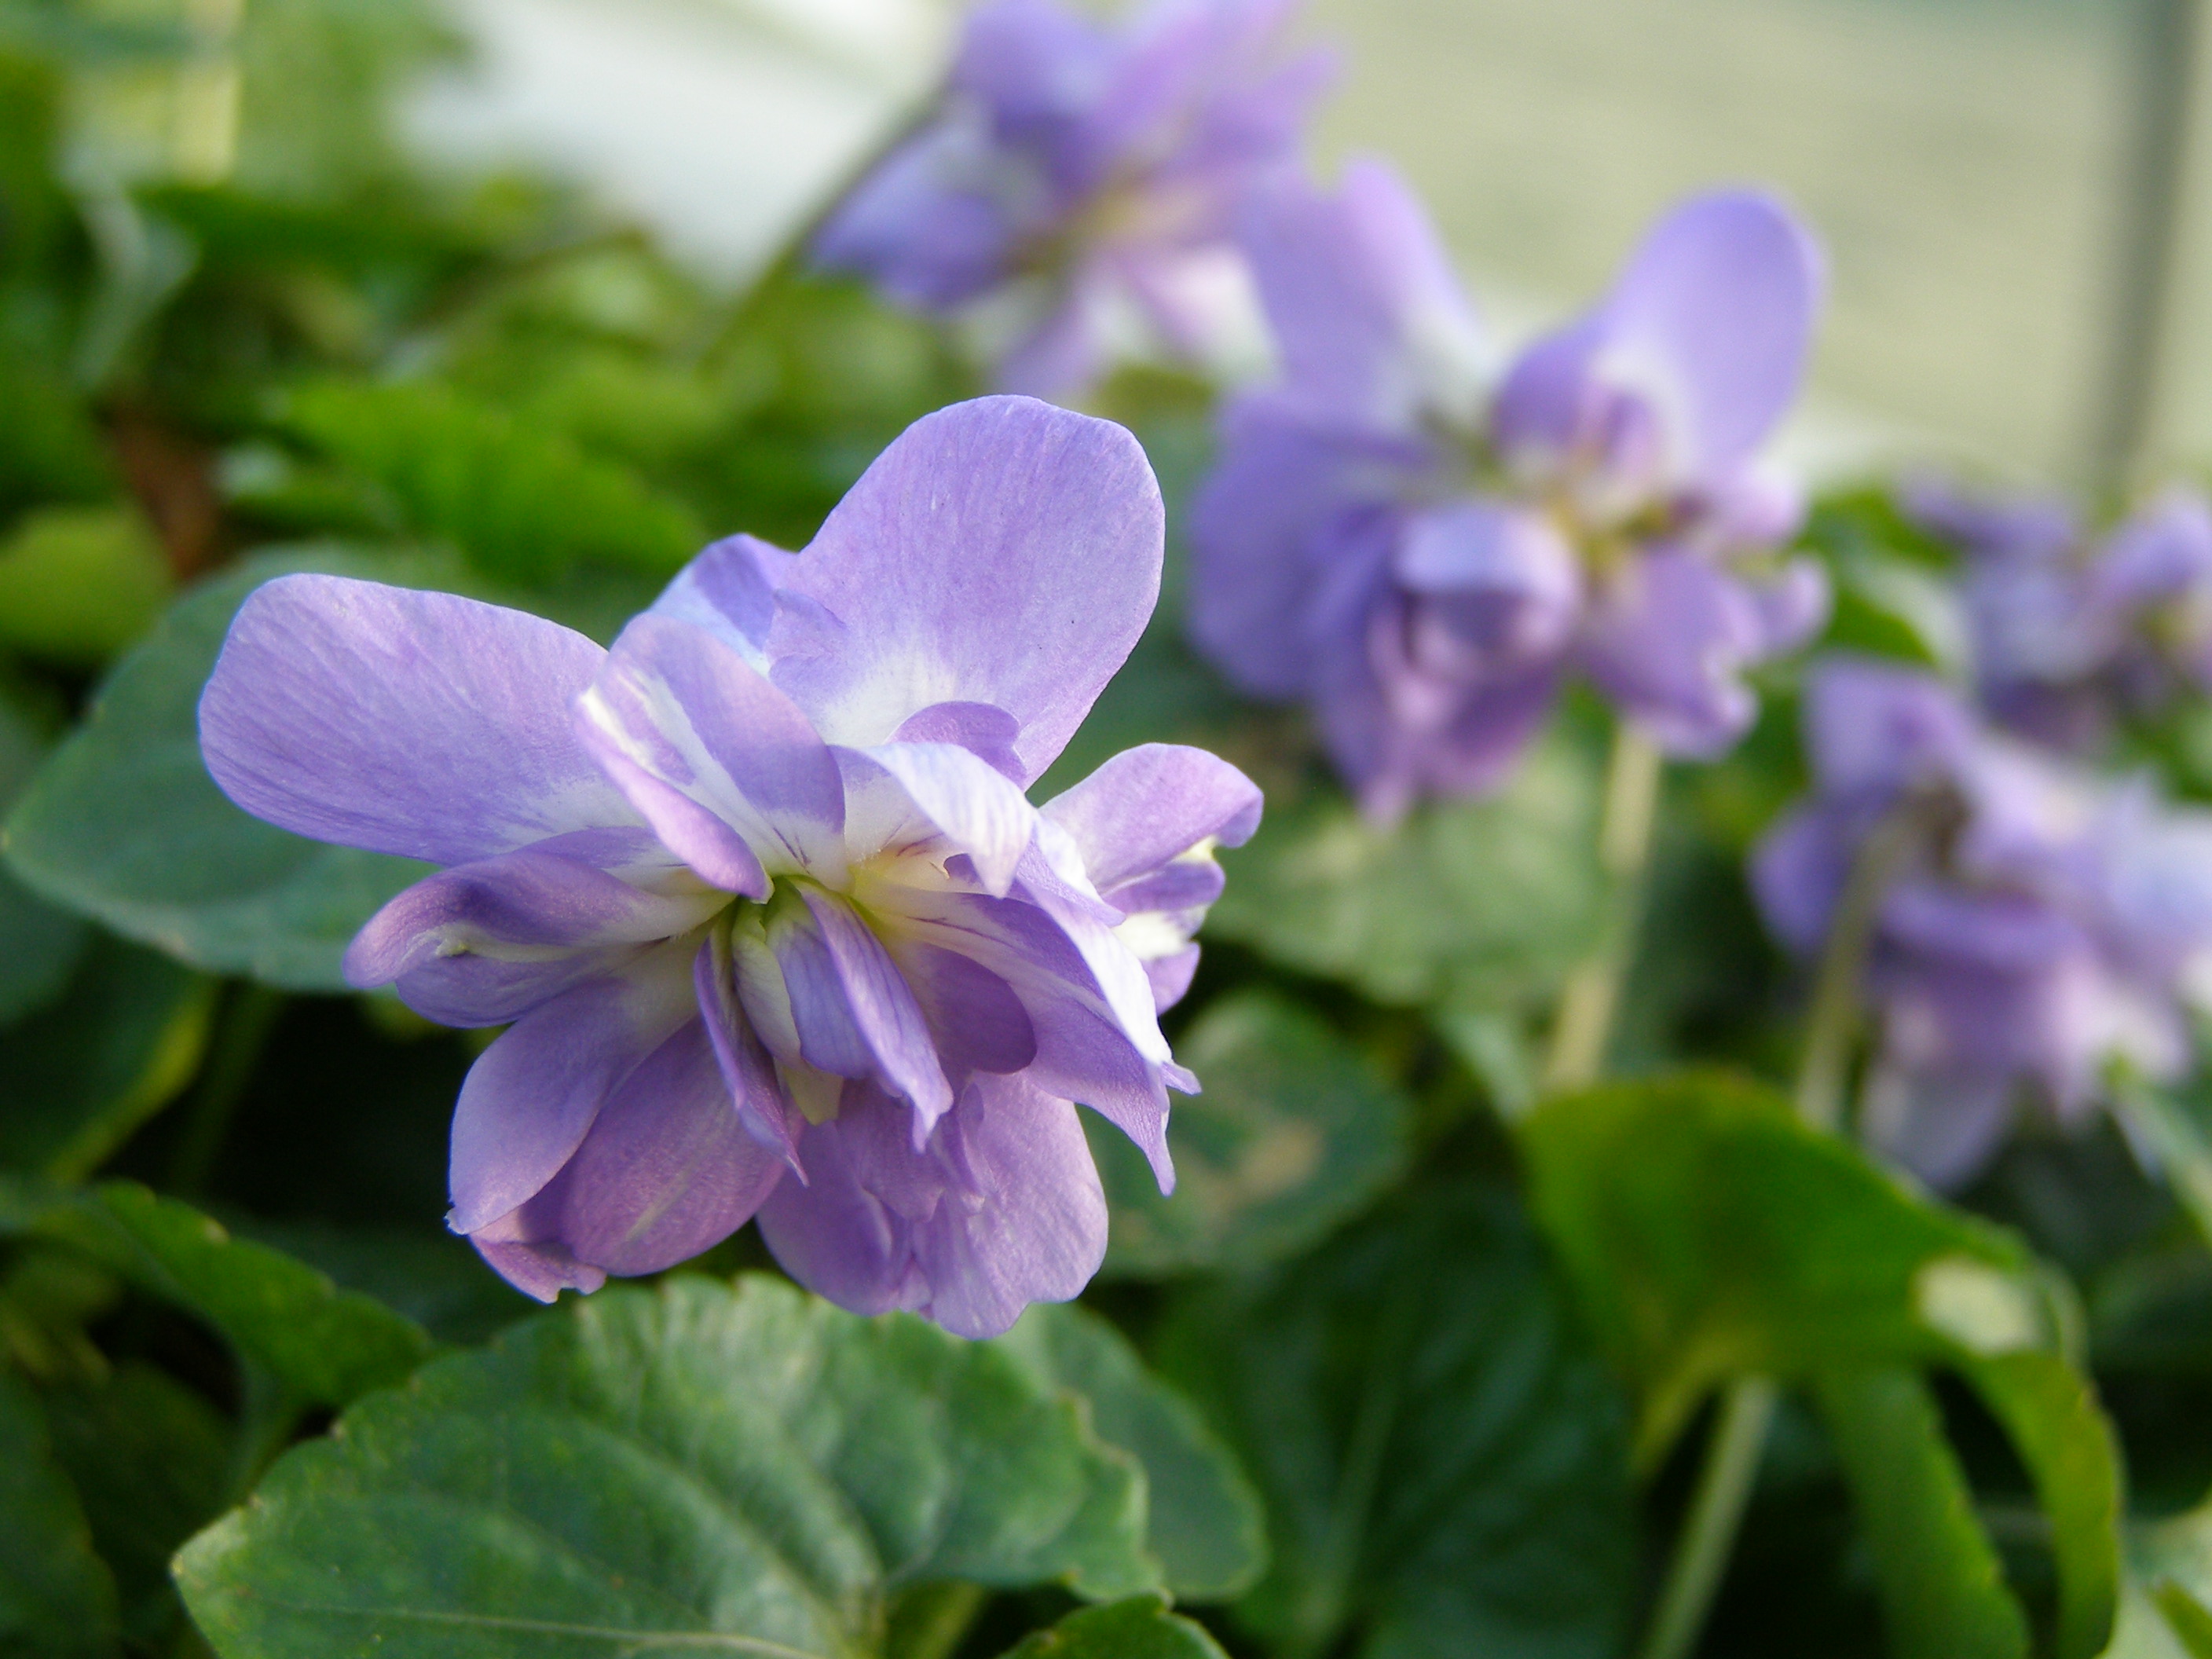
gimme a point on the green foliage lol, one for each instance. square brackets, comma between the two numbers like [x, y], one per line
[1709, 1234]
[1943, 1590]
[520, 504]
[57, 1597]
[150, 1460]
[38, 945]
[123, 822]
[1483, 904]
[1139, 1628]
[1296, 1131]
[318, 1344]
[1712, 1235]
[1444, 1459]
[125, 1037]
[1203, 1522]
[78, 584]
[647, 1466]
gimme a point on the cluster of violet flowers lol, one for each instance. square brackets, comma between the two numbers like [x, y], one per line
[760, 897]
[1422, 553]
[2046, 923]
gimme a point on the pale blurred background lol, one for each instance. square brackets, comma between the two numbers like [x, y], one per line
[2007, 187]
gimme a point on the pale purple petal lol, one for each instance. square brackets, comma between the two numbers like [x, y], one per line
[932, 225]
[1878, 727]
[975, 808]
[530, 1097]
[1943, 1126]
[1065, 348]
[538, 1267]
[725, 767]
[666, 1172]
[1285, 510]
[1153, 804]
[1410, 706]
[482, 944]
[421, 724]
[977, 1022]
[977, 727]
[1516, 582]
[1001, 551]
[1031, 1224]
[1722, 297]
[1369, 317]
[1798, 871]
[883, 1010]
[748, 1073]
[1003, 1208]
[729, 590]
[2163, 552]
[1089, 1002]
[1170, 976]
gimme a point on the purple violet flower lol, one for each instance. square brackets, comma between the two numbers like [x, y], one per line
[757, 893]
[1079, 181]
[2070, 632]
[1424, 562]
[2043, 925]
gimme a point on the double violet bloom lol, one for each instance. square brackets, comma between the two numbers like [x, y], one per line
[1078, 184]
[2041, 927]
[2071, 633]
[1424, 562]
[758, 894]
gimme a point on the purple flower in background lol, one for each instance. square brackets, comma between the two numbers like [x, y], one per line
[2070, 632]
[2041, 926]
[757, 893]
[1082, 179]
[1424, 562]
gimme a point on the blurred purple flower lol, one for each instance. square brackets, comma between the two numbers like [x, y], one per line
[2041, 927]
[1424, 562]
[2071, 632]
[757, 893]
[1083, 180]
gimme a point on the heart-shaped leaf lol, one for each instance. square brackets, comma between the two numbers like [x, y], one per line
[700, 1467]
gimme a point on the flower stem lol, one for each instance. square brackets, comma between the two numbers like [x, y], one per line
[1716, 1512]
[1731, 1465]
[1585, 1020]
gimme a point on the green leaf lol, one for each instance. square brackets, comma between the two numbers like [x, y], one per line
[520, 503]
[2050, 1412]
[1478, 904]
[124, 1039]
[1139, 1628]
[150, 1459]
[38, 945]
[1444, 1459]
[1203, 1521]
[1296, 1130]
[123, 823]
[77, 584]
[321, 1344]
[694, 1461]
[1942, 1587]
[57, 1597]
[1710, 1235]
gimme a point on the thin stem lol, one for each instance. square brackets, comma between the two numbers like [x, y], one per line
[1585, 1020]
[1731, 1466]
[1832, 1026]
[1717, 1510]
[243, 1024]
